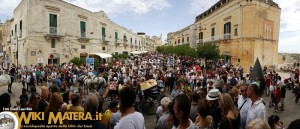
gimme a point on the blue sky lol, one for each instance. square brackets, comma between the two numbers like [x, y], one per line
[155, 17]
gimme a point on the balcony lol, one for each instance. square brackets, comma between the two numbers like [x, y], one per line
[83, 34]
[117, 42]
[104, 40]
[53, 30]
[83, 37]
[226, 36]
[200, 41]
[52, 33]
[213, 38]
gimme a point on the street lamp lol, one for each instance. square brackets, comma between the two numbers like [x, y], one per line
[17, 54]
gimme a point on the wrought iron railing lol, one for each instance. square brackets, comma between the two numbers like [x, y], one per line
[53, 30]
[83, 34]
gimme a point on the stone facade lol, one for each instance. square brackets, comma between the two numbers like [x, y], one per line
[41, 28]
[243, 29]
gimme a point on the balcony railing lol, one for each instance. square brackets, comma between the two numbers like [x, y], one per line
[226, 36]
[213, 38]
[53, 30]
[83, 34]
[200, 41]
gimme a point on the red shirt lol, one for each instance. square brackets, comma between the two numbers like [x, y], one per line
[277, 95]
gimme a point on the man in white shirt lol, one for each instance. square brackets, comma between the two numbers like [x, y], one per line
[130, 119]
[182, 107]
[257, 108]
[244, 104]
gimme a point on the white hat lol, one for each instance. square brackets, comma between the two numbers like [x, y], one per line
[213, 94]
[115, 78]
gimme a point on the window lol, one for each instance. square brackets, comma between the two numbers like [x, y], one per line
[178, 41]
[52, 43]
[200, 37]
[12, 33]
[33, 53]
[175, 42]
[53, 23]
[103, 32]
[182, 40]
[213, 33]
[235, 32]
[82, 29]
[82, 46]
[103, 48]
[139, 42]
[15, 30]
[187, 39]
[20, 29]
[116, 36]
[135, 41]
[130, 40]
[227, 30]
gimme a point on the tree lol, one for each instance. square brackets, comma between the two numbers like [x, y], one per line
[78, 61]
[208, 51]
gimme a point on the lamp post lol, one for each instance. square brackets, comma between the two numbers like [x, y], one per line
[17, 54]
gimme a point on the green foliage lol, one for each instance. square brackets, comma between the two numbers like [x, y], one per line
[208, 51]
[78, 61]
[110, 63]
[181, 50]
[120, 56]
[96, 62]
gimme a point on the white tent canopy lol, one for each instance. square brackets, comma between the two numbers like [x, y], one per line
[102, 55]
[136, 52]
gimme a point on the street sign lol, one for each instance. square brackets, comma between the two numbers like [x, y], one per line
[89, 60]
[40, 60]
[90, 63]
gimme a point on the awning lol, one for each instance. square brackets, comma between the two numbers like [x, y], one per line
[136, 52]
[102, 55]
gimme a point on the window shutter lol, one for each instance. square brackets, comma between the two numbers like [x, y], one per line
[116, 35]
[82, 26]
[103, 31]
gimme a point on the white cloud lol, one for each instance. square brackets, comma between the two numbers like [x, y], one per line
[290, 26]
[199, 6]
[114, 7]
[290, 15]
[7, 7]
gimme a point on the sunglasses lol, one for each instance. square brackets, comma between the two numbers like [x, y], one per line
[243, 90]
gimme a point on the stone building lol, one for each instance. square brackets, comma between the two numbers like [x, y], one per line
[243, 29]
[54, 31]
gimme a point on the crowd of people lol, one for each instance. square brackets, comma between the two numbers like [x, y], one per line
[216, 95]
